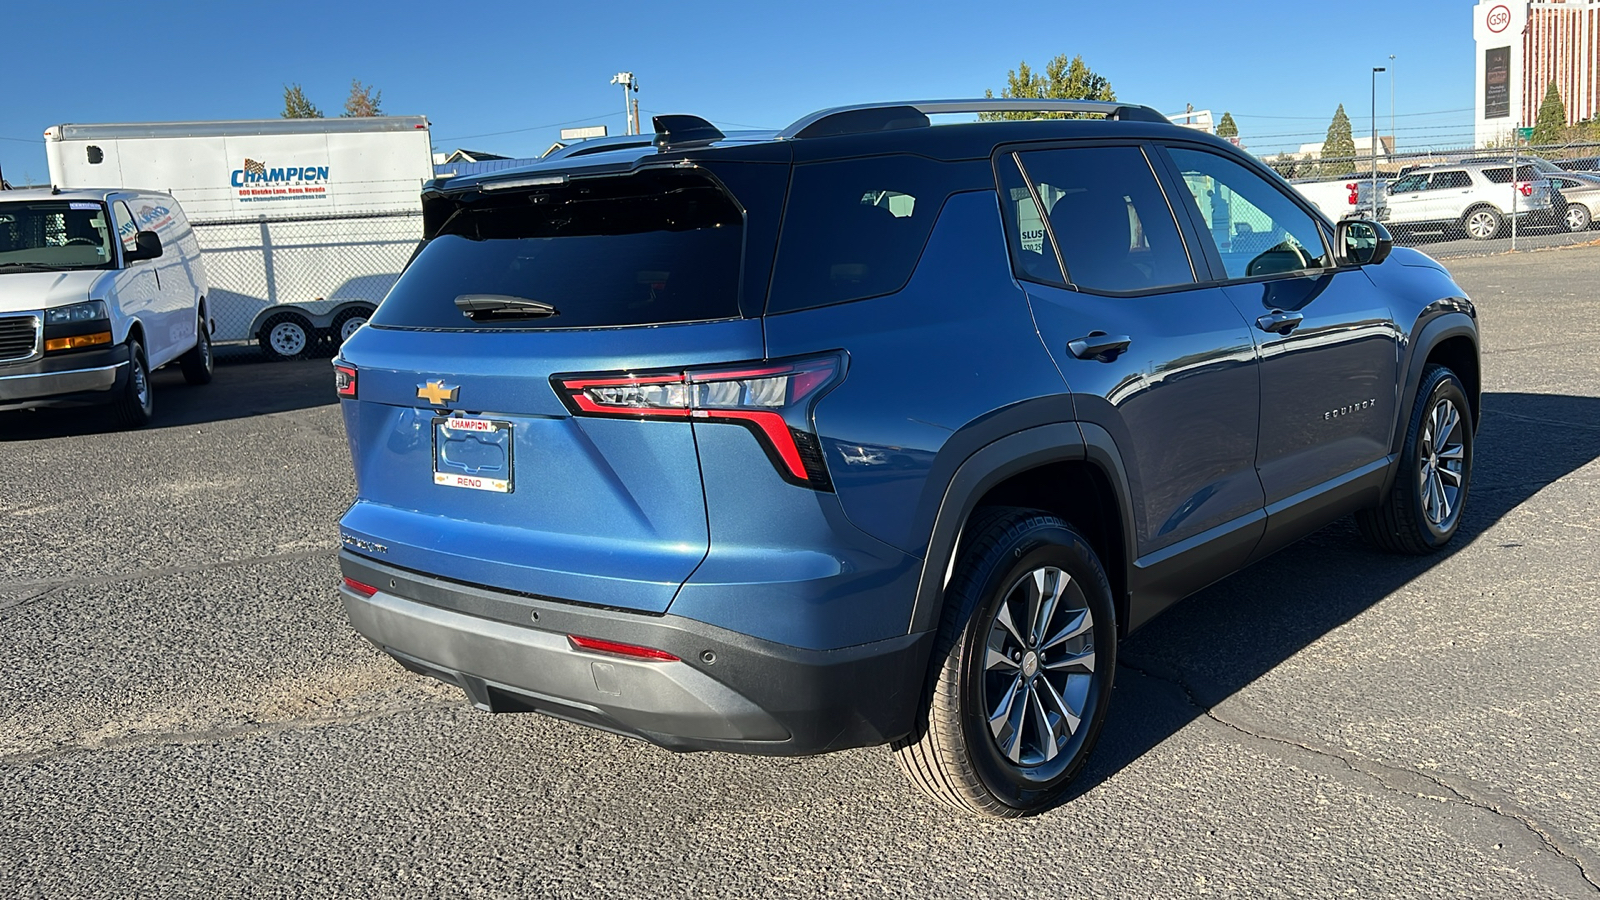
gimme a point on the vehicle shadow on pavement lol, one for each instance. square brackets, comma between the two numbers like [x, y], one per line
[1222, 639]
[238, 390]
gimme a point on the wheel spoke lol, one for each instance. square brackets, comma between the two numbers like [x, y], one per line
[1004, 618]
[1041, 721]
[1070, 718]
[1078, 662]
[1451, 420]
[1453, 451]
[1006, 723]
[1444, 497]
[1453, 475]
[1047, 605]
[996, 659]
[1080, 623]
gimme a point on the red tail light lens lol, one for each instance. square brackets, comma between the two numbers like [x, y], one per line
[595, 645]
[773, 400]
[344, 380]
[365, 590]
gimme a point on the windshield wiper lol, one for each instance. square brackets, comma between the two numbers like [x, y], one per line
[500, 307]
[44, 266]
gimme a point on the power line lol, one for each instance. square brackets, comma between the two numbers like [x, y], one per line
[467, 137]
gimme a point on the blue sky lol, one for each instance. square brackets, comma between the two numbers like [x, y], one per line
[500, 76]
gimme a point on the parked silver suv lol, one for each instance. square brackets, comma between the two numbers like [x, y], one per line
[1476, 198]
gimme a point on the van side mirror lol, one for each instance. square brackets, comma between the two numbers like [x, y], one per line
[1363, 243]
[147, 245]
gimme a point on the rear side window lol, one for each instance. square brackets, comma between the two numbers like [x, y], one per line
[1446, 180]
[854, 229]
[1108, 217]
[1502, 174]
[644, 249]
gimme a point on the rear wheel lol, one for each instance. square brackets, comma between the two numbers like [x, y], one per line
[1483, 223]
[197, 363]
[285, 336]
[1422, 510]
[1577, 217]
[135, 406]
[1024, 661]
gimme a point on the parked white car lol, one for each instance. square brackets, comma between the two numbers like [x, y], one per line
[98, 288]
[1477, 198]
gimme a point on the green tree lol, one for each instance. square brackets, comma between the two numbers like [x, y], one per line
[1338, 148]
[1227, 128]
[1551, 125]
[363, 100]
[296, 106]
[1063, 79]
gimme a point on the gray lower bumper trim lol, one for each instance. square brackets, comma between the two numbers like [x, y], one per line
[639, 697]
[50, 384]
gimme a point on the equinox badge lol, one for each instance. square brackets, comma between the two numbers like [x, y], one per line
[438, 393]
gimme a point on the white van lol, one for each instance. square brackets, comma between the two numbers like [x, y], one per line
[98, 288]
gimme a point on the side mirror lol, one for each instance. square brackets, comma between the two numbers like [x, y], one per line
[1362, 242]
[147, 245]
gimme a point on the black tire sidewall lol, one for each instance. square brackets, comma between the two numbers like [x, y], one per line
[1442, 385]
[264, 337]
[1049, 542]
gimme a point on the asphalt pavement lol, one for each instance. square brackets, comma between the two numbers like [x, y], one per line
[185, 711]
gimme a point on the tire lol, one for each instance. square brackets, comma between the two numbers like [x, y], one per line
[286, 336]
[347, 322]
[197, 363]
[1482, 223]
[136, 405]
[1577, 217]
[1422, 510]
[983, 662]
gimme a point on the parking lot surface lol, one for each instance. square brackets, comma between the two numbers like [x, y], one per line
[185, 711]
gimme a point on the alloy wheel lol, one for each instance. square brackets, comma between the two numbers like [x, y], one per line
[1442, 463]
[1482, 225]
[1039, 666]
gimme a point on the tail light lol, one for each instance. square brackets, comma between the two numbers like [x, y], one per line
[772, 399]
[344, 381]
[1355, 193]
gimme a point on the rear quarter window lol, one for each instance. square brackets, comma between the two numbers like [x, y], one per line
[855, 229]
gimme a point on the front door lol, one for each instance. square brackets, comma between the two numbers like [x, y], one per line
[1180, 397]
[139, 291]
[1326, 337]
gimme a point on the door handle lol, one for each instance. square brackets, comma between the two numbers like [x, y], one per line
[1278, 322]
[1099, 346]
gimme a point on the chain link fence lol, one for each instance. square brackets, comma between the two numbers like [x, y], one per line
[295, 287]
[1464, 201]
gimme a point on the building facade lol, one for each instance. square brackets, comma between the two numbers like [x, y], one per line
[1524, 46]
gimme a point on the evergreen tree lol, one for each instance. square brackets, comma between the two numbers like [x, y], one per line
[1063, 79]
[363, 100]
[1338, 148]
[1227, 128]
[296, 106]
[1551, 125]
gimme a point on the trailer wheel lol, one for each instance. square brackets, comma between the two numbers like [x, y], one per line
[285, 336]
[346, 323]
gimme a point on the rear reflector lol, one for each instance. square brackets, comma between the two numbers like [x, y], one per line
[595, 645]
[365, 590]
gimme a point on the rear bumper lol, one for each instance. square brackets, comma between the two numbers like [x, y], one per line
[76, 377]
[727, 691]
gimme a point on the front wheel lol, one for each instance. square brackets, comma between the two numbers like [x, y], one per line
[134, 407]
[1483, 223]
[1422, 510]
[285, 336]
[1024, 661]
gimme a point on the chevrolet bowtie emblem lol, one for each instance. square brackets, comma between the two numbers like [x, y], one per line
[438, 393]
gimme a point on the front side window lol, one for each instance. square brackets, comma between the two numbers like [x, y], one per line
[1257, 230]
[1409, 184]
[127, 227]
[1110, 220]
[54, 234]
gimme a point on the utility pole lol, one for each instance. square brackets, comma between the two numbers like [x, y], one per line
[1394, 136]
[1374, 148]
[629, 84]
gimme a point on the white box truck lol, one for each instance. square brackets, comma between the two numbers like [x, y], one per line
[303, 224]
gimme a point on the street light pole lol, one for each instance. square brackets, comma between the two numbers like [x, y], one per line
[1394, 137]
[1374, 147]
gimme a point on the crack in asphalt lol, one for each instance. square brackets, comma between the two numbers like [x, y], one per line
[218, 734]
[1396, 779]
[45, 588]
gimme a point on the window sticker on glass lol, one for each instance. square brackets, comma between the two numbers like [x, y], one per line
[901, 206]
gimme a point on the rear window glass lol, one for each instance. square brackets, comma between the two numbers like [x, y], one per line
[644, 249]
[855, 229]
[1502, 174]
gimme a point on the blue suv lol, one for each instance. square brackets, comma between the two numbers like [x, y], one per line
[873, 431]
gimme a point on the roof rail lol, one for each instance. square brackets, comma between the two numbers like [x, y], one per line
[892, 116]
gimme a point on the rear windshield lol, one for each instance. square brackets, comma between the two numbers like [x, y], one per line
[644, 249]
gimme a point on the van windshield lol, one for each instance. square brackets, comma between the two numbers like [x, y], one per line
[48, 235]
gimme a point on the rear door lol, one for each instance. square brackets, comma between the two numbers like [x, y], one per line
[469, 465]
[1328, 345]
[1181, 396]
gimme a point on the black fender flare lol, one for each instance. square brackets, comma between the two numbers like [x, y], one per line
[1444, 319]
[989, 466]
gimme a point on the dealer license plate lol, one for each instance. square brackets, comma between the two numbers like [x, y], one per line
[472, 453]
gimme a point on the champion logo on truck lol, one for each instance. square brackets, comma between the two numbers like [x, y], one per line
[256, 180]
